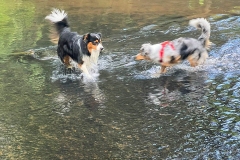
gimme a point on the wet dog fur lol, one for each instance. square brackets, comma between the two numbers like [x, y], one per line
[194, 50]
[83, 49]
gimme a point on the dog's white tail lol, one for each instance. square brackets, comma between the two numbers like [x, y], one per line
[59, 18]
[204, 25]
[56, 15]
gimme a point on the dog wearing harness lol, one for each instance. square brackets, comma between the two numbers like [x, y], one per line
[169, 53]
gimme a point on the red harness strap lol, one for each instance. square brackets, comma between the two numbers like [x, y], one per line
[164, 44]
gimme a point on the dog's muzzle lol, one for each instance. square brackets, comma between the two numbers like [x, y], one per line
[139, 57]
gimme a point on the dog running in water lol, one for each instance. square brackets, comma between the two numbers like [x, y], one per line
[169, 53]
[83, 49]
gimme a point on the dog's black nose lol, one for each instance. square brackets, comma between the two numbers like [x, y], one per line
[102, 48]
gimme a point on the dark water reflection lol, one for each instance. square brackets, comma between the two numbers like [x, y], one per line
[129, 112]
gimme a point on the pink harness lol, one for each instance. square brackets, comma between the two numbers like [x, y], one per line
[164, 44]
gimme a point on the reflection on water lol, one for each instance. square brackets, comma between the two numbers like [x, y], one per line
[130, 111]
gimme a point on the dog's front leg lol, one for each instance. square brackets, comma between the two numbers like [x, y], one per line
[84, 69]
[163, 69]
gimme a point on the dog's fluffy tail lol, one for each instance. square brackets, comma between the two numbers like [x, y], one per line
[59, 18]
[204, 25]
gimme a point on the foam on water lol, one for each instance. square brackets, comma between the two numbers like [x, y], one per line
[60, 72]
[223, 59]
[63, 74]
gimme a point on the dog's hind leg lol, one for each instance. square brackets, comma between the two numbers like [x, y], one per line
[66, 61]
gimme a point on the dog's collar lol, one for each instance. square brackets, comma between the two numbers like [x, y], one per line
[163, 45]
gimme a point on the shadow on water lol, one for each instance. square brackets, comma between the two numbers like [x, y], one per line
[130, 111]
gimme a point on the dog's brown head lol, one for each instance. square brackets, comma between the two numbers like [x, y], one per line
[144, 52]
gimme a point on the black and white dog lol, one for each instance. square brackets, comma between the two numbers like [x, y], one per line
[83, 49]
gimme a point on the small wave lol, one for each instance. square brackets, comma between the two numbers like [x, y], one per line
[47, 53]
[63, 74]
[149, 27]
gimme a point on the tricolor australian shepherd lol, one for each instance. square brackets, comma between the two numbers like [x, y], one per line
[83, 49]
[169, 53]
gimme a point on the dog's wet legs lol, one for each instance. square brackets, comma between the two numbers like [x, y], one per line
[69, 70]
[84, 69]
[163, 69]
[66, 61]
[192, 62]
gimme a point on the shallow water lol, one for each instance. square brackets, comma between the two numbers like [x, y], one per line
[129, 112]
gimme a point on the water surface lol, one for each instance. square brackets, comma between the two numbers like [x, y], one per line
[129, 112]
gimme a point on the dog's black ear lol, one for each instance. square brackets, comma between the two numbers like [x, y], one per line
[86, 37]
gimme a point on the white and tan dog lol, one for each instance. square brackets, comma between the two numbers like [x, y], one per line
[169, 53]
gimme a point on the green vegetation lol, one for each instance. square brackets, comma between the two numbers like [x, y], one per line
[18, 30]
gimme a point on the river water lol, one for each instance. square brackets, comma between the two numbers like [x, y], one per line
[128, 112]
